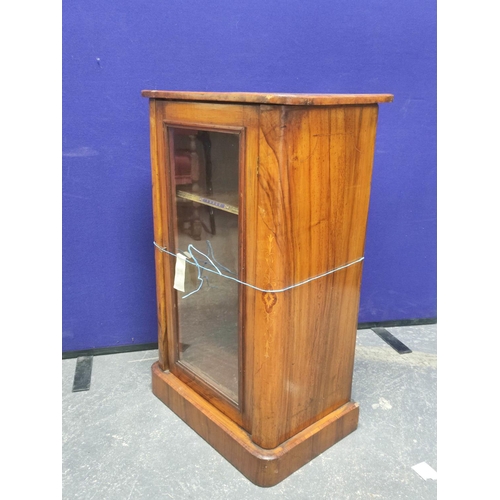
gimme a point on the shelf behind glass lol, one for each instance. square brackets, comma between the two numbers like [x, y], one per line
[223, 201]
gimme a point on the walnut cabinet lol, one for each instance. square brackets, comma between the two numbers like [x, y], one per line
[269, 190]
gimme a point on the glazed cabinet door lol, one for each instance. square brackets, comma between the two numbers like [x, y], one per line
[204, 169]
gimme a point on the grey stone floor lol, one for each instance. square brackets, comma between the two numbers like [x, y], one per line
[121, 442]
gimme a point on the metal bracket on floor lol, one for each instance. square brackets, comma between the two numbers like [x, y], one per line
[390, 339]
[83, 373]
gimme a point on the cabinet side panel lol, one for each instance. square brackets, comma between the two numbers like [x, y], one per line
[313, 194]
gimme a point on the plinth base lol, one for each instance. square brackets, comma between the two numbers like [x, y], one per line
[262, 467]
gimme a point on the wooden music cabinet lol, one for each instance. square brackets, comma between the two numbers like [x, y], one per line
[259, 193]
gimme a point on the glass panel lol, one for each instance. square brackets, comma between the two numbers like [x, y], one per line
[206, 168]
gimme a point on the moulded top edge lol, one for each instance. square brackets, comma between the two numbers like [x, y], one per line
[271, 98]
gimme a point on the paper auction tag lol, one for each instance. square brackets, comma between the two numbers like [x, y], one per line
[180, 272]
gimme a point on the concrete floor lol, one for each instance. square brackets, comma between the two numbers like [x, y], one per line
[121, 442]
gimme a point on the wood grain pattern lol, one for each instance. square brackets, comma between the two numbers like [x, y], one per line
[262, 467]
[313, 191]
[159, 215]
[263, 98]
[305, 176]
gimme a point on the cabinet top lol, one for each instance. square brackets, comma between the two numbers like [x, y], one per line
[264, 98]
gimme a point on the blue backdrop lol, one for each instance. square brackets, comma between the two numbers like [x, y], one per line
[112, 50]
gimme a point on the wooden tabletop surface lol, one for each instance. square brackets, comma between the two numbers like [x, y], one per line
[269, 98]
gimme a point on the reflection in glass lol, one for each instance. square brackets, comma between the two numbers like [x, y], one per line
[205, 169]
